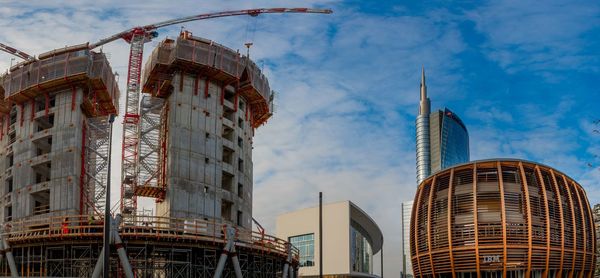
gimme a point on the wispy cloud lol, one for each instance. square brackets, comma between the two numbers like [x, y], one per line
[539, 37]
[347, 87]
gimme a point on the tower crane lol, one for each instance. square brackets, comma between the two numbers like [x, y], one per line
[16, 52]
[137, 37]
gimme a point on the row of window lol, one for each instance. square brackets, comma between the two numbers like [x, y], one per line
[40, 204]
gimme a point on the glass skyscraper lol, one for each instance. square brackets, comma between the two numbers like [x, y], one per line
[442, 138]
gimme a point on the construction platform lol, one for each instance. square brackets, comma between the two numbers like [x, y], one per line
[70, 246]
[209, 62]
[65, 68]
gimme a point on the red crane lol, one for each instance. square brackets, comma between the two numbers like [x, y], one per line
[136, 37]
[16, 52]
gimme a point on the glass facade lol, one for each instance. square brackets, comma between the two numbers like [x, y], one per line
[306, 246]
[406, 214]
[454, 143]
[361, 255]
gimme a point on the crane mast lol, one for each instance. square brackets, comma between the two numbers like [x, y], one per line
[136, 37]
[131, 120]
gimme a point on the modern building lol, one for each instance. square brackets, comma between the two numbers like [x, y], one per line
[502, 218]
[201, 103]
[596, 211]
[350, 239]
[406, 210]
[442, 138]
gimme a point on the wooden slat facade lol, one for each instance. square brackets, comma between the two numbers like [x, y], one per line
[502, 218]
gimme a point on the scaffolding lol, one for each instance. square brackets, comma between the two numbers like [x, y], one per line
[152, 148]
[211, 61]
[156, 246]
[94, 173]
[63, 69]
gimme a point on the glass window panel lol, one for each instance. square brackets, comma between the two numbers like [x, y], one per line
[305, 245]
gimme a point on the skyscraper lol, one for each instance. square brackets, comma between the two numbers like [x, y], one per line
[442, 138]
[407, 271]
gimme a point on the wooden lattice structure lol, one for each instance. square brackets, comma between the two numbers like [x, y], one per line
[504, 217]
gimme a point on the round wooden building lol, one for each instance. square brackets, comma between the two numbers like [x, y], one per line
[502, 218]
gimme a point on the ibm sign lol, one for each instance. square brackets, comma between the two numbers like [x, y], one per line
[491, 259]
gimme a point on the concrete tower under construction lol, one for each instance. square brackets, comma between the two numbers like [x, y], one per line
[210, 100]
[201, 103]
[54, 135]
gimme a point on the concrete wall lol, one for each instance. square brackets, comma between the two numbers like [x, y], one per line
[64, 156]
[336, 235]
[196, 165]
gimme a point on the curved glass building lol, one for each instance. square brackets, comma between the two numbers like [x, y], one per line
[442, 138]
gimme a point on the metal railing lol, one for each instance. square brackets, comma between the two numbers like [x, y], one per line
[80, 226]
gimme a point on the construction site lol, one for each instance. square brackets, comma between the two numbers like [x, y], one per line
[190, 115]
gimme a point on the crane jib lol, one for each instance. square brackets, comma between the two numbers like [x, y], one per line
[252, 12]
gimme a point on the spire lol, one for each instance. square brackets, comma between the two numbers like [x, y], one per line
[424, 105]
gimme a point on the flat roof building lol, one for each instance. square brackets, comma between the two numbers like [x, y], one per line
[350, 238]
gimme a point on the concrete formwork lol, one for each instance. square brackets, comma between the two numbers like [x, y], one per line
[214, 99]
[42, 139]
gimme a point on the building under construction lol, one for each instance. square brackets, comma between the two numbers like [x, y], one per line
[200, 105]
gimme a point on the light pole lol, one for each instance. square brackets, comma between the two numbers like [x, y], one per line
[402, 241]
[107, 217]
[320, 234]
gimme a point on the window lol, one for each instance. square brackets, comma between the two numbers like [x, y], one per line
[227, 155]
[226, 181]
[8, 213]
[306, 246]
[361, 255]
[41, 202]
[228, 113]
[11, 160]
[239, 218]
[227, 133]
[240, 142]
[240, 165]
[226, 209]
[9, 185]
[229, 94]
[240, 190]
[43, 145]
[241, 123]
[44, 123]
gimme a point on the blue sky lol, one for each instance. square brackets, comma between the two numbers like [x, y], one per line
[522, 75]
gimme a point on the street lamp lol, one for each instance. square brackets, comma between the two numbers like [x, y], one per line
[107, 216]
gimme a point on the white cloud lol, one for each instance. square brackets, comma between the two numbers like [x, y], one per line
[347, 88]
[534, 36]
